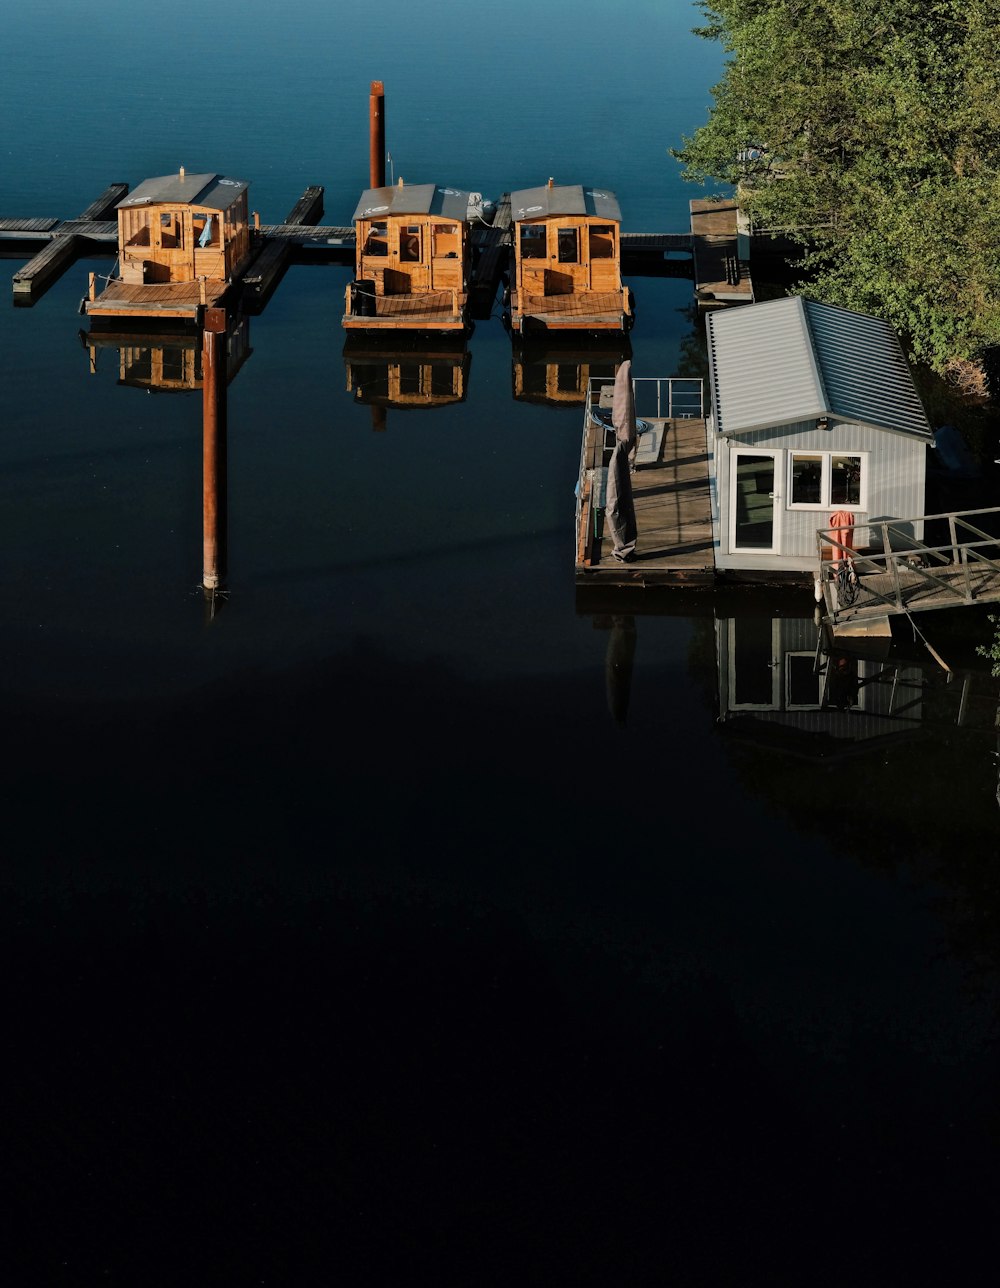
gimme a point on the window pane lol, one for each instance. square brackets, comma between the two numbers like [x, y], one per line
[567, 246]
[533, 241]
[409, 244]
[807, 476]
[602, 241]
[845, 480]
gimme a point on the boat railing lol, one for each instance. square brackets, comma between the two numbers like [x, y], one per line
[659, 397]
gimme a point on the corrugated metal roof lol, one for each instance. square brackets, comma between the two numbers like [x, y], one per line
[567, 199]
[794, 359]
[212, 190]
[413, 199]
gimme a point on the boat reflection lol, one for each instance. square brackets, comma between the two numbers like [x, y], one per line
[406, 374]
[556, 372]
[168, 361]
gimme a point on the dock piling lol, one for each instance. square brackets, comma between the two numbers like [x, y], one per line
[376, 127]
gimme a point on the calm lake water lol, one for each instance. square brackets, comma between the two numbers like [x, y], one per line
[406, 923]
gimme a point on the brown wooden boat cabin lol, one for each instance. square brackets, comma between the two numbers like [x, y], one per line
[183, 239]
[412, 260]
[566, 261]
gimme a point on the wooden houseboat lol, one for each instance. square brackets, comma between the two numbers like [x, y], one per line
[566, 261]
[183, 240]
[413, 259]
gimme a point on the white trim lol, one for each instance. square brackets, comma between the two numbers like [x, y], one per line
[825, 503]
[775, 454]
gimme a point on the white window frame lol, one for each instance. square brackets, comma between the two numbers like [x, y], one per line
[824, 503]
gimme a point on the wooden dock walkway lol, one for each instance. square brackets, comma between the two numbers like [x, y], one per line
[720, 277]
[275, 249]
[66, 241]
[672, 504]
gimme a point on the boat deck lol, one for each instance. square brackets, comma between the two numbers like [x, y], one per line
[673, 509]
[163, 299]
[428, 311]
[592, 310]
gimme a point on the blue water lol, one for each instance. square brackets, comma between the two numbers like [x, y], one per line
[348, 935]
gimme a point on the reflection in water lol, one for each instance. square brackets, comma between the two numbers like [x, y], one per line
[214, 463]
[557, 373]
[406, 374]
[618, 666]
[184, 360]
[168, 361]
[778, 685]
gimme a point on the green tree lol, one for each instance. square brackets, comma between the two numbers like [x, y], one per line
[868, 131]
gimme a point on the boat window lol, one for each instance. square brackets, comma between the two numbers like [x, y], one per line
[568, 246]
[205, 229]
[377, 242]
[602, 241]
[409, 244]
[170, 229]
[137, 228]
[532, 241]
[445, 240]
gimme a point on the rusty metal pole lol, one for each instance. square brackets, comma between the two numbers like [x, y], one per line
[213, 449]
[376, 133]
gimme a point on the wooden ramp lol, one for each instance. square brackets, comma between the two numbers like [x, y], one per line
[672, 503]
[894, 574]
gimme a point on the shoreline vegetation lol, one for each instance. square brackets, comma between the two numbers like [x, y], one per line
[864, 137]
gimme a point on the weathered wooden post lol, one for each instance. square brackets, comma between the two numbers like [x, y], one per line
[213, 452]
[376, 131]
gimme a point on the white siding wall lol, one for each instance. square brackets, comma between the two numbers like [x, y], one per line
[896, 477]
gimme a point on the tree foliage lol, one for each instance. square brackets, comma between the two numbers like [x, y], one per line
[868, 131]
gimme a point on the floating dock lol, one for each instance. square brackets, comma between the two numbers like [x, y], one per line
[670, 487]
[721, 275]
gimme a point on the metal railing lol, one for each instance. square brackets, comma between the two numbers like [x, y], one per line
[659, 397]
[894, 569]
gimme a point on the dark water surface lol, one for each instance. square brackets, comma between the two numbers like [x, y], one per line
[380, 931]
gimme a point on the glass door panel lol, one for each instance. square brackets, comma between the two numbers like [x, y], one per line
[753, 498]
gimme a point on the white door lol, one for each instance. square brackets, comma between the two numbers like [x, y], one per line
[754, 510]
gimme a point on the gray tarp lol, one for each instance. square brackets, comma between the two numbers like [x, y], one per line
[619, 513]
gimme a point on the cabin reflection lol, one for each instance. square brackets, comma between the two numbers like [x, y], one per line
[167, 362]
[779, 688]
[406, 377]
[556, 374]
